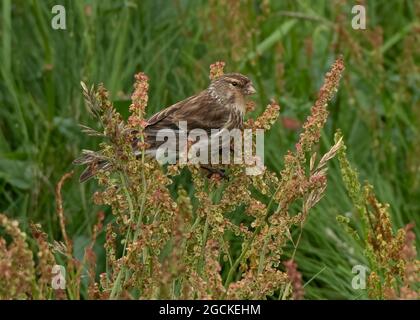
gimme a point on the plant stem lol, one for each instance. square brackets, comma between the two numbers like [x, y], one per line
[203, 247]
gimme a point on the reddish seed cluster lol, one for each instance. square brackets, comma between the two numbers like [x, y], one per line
[391, 255]
[139, 100]
[216, 70]
[295, 278]
[319, 113]
[16, 262]
[266, 119]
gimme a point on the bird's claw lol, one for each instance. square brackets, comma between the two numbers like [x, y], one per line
[215, 173]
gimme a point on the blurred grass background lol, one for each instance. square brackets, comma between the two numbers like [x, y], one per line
[284, 46]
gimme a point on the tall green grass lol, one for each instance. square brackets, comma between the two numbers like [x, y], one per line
[174, 42]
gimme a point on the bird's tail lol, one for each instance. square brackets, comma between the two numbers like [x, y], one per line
[94, 162]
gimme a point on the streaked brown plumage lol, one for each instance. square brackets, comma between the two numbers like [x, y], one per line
[221, 105]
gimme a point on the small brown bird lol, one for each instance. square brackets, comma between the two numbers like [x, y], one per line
[221, 106]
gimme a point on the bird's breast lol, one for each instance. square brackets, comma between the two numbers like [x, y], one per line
[236, 119]
[239, 107]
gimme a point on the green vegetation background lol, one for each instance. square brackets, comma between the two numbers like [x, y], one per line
[284, 46]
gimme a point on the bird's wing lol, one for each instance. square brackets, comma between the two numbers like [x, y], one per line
[199, 111]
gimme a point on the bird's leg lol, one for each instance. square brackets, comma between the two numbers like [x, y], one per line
[214, 171]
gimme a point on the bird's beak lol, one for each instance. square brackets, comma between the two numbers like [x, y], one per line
[250, 89]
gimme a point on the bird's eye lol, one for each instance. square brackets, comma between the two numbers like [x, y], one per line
[234, 83]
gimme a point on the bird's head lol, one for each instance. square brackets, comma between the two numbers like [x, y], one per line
[231, 87]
